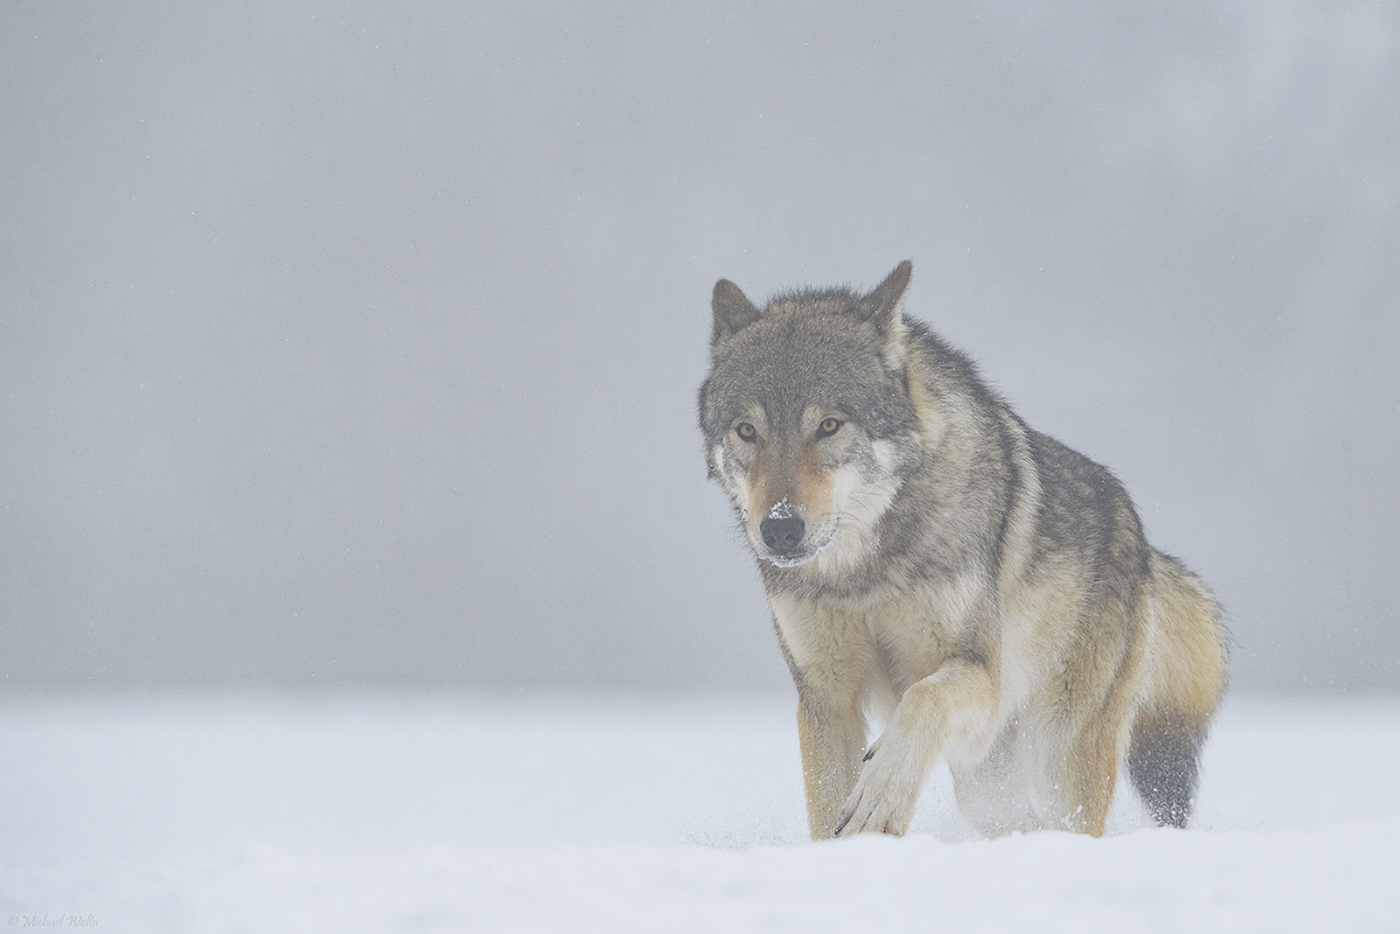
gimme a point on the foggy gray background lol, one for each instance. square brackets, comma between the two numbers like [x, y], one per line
[357, 344]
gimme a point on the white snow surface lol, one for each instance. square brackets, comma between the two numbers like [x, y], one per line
[382, 813]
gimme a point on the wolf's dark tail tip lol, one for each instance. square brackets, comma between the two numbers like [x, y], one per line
[1163, 764]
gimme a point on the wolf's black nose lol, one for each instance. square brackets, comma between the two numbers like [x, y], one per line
[781, 535]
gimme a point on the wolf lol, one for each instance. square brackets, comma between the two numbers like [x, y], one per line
[935, 565]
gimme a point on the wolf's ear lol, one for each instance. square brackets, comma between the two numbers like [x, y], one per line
[884, 308]
[733, 311]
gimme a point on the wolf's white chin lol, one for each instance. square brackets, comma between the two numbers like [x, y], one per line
[789, 561]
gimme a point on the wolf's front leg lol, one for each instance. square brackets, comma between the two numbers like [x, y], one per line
[833, 739]
[958, 702]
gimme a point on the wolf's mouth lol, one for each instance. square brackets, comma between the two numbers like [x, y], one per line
[789, 561]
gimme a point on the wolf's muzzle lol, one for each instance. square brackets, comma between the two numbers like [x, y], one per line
[782, 536]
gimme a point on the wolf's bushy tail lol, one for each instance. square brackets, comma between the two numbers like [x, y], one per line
[1185, 681]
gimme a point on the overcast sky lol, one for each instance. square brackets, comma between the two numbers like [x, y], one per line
[346, 343]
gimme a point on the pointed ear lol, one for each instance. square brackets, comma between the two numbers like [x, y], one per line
[884, 307]
[733, 312]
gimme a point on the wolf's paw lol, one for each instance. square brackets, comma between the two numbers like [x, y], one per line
[884, 796]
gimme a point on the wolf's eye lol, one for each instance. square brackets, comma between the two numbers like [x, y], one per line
[746, 432]
[828, 427]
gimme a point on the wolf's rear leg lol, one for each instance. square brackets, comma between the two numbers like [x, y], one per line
[1089, 779]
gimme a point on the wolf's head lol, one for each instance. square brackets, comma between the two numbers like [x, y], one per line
[807, 417]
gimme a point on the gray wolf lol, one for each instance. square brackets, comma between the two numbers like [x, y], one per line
[935, 565]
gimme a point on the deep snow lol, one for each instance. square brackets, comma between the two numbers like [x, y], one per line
[427, 813]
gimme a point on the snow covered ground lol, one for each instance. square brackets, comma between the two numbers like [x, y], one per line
[443, 813]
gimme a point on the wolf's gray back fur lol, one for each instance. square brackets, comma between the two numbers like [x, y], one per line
[987, 586]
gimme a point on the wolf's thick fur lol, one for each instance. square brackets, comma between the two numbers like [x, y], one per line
[935, 563]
